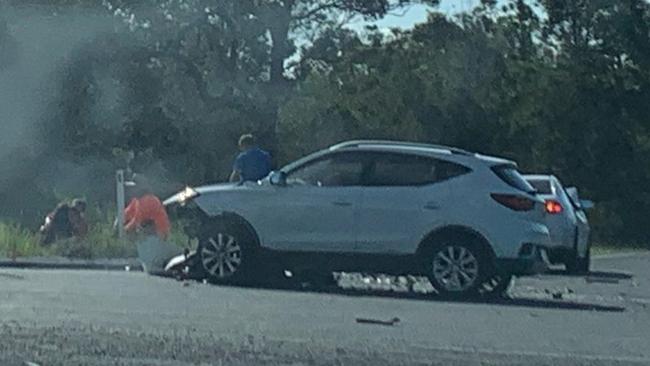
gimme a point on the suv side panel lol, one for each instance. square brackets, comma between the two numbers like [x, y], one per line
[402, 195]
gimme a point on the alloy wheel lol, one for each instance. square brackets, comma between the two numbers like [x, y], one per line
[221, 255]
[455, 268]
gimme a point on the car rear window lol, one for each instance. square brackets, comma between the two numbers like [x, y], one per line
[511, 176]
[541, 186]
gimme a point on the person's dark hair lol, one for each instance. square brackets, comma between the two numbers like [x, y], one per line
[79, 204]
[247, 140]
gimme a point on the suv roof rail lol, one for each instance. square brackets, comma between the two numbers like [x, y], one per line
[358, 143]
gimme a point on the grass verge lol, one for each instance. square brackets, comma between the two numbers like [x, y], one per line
[101, 242]
[610, 248]
[16, 241]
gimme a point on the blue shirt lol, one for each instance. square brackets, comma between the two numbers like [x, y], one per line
[253, 164]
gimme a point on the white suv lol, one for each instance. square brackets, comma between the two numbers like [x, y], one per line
[466, 221]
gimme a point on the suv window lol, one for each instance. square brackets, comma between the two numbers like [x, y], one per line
[542, 186]
[337, 170]
[511, 176]
[390, 169]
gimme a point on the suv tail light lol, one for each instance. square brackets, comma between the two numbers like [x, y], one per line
[553, 207]
[514, 202]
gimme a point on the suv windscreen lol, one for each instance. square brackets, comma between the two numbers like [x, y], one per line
[511, 176]
[330, 171]
[391, 169]
[542, 186]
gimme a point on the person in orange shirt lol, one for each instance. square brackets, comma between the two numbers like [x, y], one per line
[145, 213]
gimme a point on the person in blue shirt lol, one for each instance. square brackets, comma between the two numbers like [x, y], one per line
[252, 164]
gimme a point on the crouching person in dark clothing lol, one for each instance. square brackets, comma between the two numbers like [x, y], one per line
[66, 221]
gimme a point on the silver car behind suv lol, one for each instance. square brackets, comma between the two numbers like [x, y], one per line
[567, 221]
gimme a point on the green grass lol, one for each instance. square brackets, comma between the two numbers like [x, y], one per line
[101, 242]
[16, 241]
[611, 248]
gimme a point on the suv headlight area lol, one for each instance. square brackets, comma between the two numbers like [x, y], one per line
[186, 195]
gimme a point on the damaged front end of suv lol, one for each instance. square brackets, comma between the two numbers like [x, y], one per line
[216, 236]
[183, 208]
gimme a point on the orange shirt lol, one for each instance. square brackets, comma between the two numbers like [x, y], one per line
[147, 208]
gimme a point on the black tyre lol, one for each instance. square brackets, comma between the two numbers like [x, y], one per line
[577, 265]
[497, 286]
[457, 268]
[226, 254]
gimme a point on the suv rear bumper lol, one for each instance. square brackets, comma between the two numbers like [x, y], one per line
[535, 262]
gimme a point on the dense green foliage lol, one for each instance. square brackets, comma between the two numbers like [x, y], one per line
[560, 86]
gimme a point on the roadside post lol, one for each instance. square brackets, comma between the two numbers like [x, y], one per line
[119, 179]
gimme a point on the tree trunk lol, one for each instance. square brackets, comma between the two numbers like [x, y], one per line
[279, 26]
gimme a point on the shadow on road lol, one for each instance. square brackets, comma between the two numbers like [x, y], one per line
[501, 301]
[611, 275]
[555, 304]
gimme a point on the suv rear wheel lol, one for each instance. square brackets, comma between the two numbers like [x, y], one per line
[456, 269]
[497, 286]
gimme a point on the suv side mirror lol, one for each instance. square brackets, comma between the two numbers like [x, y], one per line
[572, 192]
[278, 178]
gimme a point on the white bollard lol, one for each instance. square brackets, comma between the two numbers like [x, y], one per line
[119, 179]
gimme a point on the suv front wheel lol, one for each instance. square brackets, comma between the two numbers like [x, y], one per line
[225, 256]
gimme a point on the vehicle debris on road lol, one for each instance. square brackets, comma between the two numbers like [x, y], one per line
[391, 322]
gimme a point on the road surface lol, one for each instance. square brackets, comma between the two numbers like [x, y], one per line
[64, 317]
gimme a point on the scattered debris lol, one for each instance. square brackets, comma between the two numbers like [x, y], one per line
[391, 322]
[640, 301]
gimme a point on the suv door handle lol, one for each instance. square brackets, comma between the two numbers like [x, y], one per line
[342, 203]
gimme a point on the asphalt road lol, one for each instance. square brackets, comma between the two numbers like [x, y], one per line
[64, 317]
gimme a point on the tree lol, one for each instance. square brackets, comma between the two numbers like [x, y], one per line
[561, 96]
[440, 83]
[273, 22]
